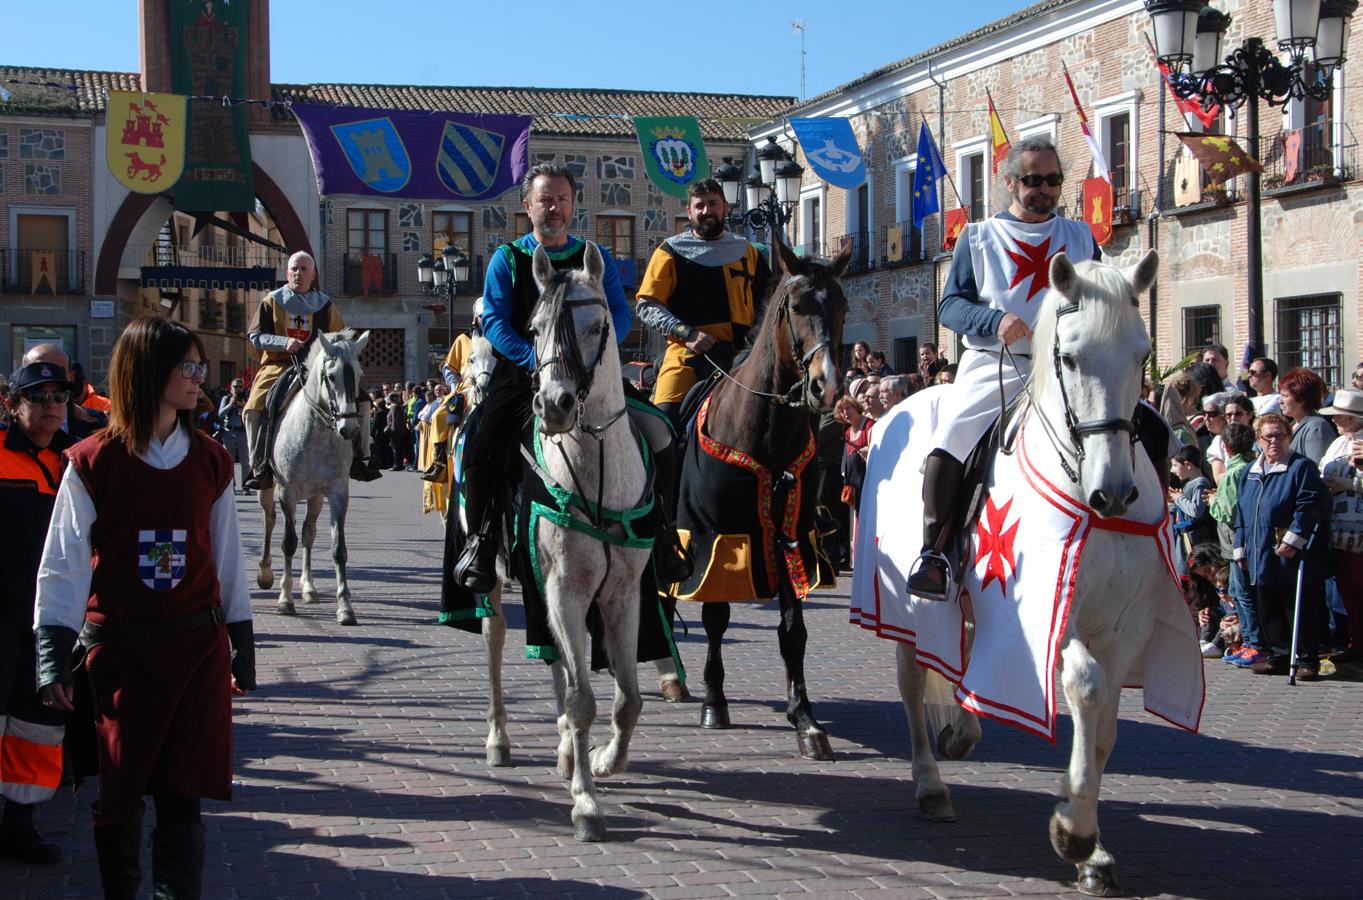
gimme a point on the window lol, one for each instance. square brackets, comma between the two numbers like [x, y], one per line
[1044, 126]
[975, 186]
[523, 226]
[616, 234]
[41, 258]
[1117, 149]
[910, 242]
[859, 226]
[811, 224]
[368, 231]
[1201, 326]
[1117, 121]
[452, 228]
[973, 176]
[905, 354]
[1309, 335]
[1321, 137]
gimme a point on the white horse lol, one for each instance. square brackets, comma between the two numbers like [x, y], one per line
[311, 458]
[1089, 348]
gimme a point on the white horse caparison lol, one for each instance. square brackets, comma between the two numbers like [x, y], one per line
[1090, 323]
[313, 449]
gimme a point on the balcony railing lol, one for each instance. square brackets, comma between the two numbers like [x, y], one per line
[39, 271]
[863, 259]
[1308, 157]
[369, 273]
[211, 255]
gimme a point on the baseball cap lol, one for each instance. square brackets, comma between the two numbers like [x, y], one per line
[38, 373]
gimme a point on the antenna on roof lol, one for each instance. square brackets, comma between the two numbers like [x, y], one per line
[799, 25]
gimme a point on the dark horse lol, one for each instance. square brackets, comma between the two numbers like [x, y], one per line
[746, 503]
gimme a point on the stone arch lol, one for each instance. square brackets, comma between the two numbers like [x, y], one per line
[135, 206]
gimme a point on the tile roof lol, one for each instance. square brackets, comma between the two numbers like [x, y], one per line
[557, 111]
[77, 92]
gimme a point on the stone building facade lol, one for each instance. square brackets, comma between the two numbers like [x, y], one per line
[1312, 223]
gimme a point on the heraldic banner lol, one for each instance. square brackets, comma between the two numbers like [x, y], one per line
[674, 154]
[145, 148]
[208, 47]
[419, 155]
[832, 150]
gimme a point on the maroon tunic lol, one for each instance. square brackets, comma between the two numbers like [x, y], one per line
[163, 706]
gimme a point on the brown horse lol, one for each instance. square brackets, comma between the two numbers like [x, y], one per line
[745, 479]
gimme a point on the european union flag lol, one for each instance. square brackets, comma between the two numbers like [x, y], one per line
[930, 170]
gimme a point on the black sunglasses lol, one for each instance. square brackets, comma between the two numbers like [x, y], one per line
[1055, 179]
[38, 398]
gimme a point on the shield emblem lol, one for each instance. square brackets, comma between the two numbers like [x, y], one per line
[676, 158]
[145, 146]
[1098, 208]
[469, 159]
[376, 153]
[161, 558]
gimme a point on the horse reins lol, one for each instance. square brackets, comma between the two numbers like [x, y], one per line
[334, 414]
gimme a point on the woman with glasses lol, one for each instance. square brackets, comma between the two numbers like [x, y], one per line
[1282, 501]
[1301, 392]
[144, 558]
[1214, 421]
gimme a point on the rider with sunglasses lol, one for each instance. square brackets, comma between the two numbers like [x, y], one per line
[997, 281]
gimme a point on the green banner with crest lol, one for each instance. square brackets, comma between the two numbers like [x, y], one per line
[674, 154]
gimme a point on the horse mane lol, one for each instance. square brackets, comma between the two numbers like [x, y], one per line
[1108, 302]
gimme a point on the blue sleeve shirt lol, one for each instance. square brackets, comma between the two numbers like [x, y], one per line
[497, 296]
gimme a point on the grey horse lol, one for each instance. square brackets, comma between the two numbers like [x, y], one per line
[311, 461]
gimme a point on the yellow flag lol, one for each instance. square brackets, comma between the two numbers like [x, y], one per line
[145, 149]
[997, 135]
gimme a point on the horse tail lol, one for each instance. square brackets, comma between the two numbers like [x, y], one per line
[939, 700]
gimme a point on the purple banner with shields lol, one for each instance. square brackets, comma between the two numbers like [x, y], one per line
[419, 155]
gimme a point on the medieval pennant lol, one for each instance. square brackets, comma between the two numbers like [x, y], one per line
[831, 150]
[1098, 208]
[1221, 157]
[469, 159]
[376, 153]
[161, 558]
[956, 220]
[674, 153]
[145, 147]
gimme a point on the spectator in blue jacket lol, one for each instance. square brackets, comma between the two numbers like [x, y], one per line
[1281, 503]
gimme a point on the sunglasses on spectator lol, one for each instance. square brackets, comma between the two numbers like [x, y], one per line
[38, 398]
[1055, 179]
[193, 370]
[1255, 373]
[1236, 413]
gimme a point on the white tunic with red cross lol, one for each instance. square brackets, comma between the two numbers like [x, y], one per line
[1012, 262]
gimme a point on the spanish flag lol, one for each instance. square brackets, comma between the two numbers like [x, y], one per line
[1000, 137]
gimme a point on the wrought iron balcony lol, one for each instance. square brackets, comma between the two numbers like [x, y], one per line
[42, 271]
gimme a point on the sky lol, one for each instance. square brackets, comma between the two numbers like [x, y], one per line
[752, 49]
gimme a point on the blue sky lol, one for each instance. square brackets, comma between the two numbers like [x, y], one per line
[751, 49]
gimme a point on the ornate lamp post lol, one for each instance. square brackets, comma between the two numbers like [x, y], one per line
[1188, 36]
[771, 191]
[441, 278]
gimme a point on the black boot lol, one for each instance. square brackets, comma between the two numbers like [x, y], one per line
[177, 861]
[437, 470]
[672, 562]
[931, 575]
[362, 468]
[20, 840]
[118, 847]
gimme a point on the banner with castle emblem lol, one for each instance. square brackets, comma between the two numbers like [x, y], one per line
[832, 150]
[674, 153]
[145, 147]
[208, 48]
[417, 155]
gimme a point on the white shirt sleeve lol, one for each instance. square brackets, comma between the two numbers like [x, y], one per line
[225, 534]
[66, 567]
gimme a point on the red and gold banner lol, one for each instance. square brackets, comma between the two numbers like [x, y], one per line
[1098, 208]
[145, 148]
[955, 222]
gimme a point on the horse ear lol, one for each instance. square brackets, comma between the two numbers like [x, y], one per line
[842, 259]
[542, 268]
[360, 342]
[594, 263]
[1063, 276]
[1143, 273]
[326, 344]
[786, 260]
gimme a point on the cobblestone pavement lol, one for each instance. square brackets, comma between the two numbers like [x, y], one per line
[361, 772]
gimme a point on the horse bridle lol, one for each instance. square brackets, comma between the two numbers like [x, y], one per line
[1078, 429]
[800, 389]
[334, 414]
[569, 356]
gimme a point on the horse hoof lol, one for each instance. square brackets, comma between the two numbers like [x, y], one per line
[311, 598]
[675, 692]
[1098, 881]
[265, 580]
[814, 745]
[346, 619]
[936, 807]
[498, 757]
[590, 830]
[714, 715]
[948, 747]
[285, 608]
[1071, 847]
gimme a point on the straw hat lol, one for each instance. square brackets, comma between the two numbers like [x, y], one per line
[1346, 403]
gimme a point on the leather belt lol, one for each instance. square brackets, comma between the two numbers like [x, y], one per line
[92, 634]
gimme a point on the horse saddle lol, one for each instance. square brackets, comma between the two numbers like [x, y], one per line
[277, 398]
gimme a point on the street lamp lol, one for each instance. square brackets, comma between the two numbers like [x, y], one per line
[1188, 36]
[770, 192]
[441, 278]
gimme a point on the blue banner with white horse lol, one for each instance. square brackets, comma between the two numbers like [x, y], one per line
[832, 150]
[417, 155]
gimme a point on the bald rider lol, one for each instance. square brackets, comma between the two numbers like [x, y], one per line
[286, 325]
[998, 278]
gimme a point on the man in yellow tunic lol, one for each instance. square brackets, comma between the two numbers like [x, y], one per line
[455, 404]
[702, 291]
[287, 323]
